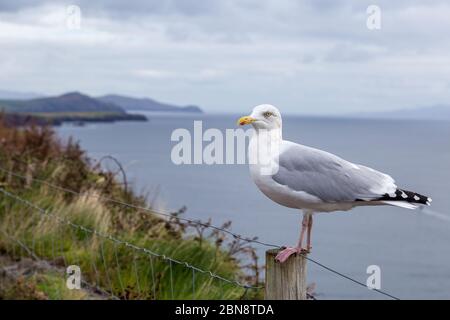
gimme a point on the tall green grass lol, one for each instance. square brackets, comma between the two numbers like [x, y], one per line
[120, 270]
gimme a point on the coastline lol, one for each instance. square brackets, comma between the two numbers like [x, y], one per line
[57, 119]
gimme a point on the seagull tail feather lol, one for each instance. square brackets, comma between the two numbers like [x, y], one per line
[401, 204]
[405, 199]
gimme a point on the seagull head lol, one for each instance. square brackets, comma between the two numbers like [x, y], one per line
[264, 116]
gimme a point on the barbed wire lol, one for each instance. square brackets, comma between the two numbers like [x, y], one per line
[35, 257]
[351, 279]
[126, 243]
[147, 210]
[234, 235]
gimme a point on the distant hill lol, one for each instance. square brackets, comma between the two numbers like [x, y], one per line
[436, 112]
[72, 106]
[69, 102]
[146, 104]
[13, 95]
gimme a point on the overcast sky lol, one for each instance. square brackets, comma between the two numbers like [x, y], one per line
[312, 56]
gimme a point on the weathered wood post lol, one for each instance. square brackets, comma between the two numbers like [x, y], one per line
[285, 281]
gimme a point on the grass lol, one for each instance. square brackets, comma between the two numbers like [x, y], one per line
[122, 271]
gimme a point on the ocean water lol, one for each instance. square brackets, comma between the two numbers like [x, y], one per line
[412, 248]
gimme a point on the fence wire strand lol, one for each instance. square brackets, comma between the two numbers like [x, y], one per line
[191, 221]
[34, 255]
[127, 244]
[136, 207]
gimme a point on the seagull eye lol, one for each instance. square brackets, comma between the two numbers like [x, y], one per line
[267, 114]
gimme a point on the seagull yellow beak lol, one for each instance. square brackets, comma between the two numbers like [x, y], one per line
[245, 120]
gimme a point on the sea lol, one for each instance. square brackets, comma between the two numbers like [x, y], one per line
[409, 248]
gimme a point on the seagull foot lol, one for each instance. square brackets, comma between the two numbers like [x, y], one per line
[284, 254]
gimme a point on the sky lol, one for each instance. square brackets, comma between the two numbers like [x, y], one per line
[305, 57]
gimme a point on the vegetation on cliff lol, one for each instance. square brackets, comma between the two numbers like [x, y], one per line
[45, 244]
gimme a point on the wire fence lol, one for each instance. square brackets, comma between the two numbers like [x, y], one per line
[113, 253]
[110, 257]
[44, 264]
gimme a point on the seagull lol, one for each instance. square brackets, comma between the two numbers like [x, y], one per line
[312, 180]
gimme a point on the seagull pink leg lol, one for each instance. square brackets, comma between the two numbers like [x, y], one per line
[284, 254]
[308, 235]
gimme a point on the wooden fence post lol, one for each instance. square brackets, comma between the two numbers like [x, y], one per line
[285, 281]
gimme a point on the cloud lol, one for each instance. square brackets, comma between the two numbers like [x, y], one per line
[318, 55]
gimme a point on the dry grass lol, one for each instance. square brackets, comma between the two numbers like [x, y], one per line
[36, 152]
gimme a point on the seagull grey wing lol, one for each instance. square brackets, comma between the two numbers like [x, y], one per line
[329, 177]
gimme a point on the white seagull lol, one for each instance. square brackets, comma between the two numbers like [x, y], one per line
[313, 180]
